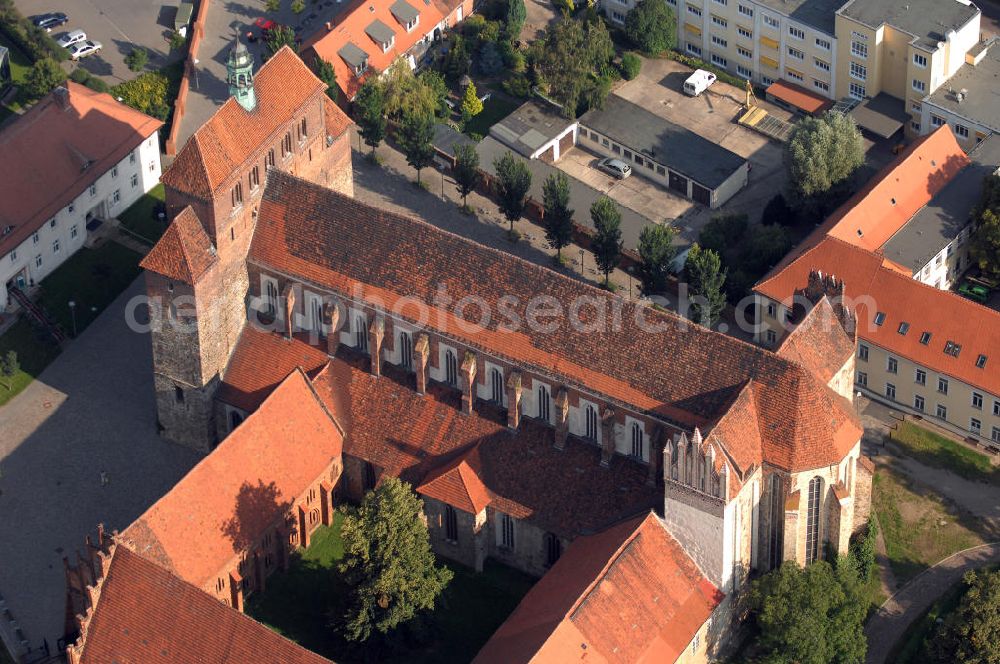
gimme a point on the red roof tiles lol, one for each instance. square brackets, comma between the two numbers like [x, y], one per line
[819, 342]
[458, 485]
[56, 150]
[184, 252]
[799, 97]
[146, 615]
[627, 594]
[671, 368]
[228, 501]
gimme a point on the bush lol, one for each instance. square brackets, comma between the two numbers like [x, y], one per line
[778, 211]
[84, 77]
[489, 63]
[34, 41]
[722, 231]
[517, 85]
[298, 6]
[609, 72]
[631, 65]
[490, 32]
[177, 41]
[472, 26]
[43, 76]
[651, 26]
[146, 93]
[137, 58]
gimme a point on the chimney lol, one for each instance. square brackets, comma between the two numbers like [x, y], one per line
[607, 435]
[331, 320]
[514, 399]
[468, 371]
[562, 418]
[421, 353]
[289, 298]
[820, 285]
[61, 95]
[376, 332]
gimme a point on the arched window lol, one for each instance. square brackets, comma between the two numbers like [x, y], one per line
[405, 351]
[776, 516]
[367, 476]
[543, 403]
[316, 315]
[270, 298]
[451, 368]
[235, 419]
[637, 441]
[812, 519]
[553, 549]
[450, 524]
[496, 385]
[590, 414]
[361, 333]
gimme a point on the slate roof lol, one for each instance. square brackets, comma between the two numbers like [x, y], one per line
[238, 491]
[626, 594]
[147, 615]
[184, 252]
[56, 150]
[675, 371]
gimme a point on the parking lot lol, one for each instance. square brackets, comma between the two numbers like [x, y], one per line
[117, 24]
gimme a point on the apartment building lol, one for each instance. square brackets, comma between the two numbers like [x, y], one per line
[896, 52]
[968, 103]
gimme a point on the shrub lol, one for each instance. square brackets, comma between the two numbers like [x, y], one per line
[146, 93]
[631, 65]
[723, 230]
[489, 63]
[490, 32]
[177, 41]
[778, 211]
[137, 58]
[472, 26]
[84, 77]
[44, 75]
[298, 6]
[722, 74]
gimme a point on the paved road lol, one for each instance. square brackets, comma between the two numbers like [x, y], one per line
[91, 410]
[886, 627]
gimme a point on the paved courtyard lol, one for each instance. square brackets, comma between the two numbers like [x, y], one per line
[91, 411]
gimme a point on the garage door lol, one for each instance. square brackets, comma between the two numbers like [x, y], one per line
[565, 143]
[678, 183]
[701, 194]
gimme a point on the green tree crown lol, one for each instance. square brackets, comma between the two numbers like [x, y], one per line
[607, 242]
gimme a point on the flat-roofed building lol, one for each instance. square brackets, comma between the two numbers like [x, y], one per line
[969, 104]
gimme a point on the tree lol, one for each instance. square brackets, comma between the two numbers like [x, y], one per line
[513, 180]
[863, 551]
[466, 170]
[278, 36]
[273, 6]
[490, 62]
[456, 60]
[517, 13]
[607, 242]
[778, 211]
[326, 73]
[811, 615]
[657, 251]
[722, 231]
[985, 246]
[631, 66]
[388, 562]
[971, 633]
[764, 246]
[705, 278]
[137, 58]
[567, 60]
[471, 106]
[369, 106]
[9, 366]
[822, 152]
[415, 135]
[438, 88]
[43, 76]
[651, 26]
[405, 93]
[558, 219]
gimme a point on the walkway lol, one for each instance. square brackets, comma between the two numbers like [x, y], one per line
[889, 623]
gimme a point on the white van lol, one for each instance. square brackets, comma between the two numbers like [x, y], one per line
[698, 82]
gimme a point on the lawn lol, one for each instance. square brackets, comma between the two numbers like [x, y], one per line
[139, 217]
[35, 350]
[494, 110]
[302, 603]
[919, 528]
[92, 278]
[937, 451]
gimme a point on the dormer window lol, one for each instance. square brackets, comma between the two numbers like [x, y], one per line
[406, 14]
[355, 57]
[381, 34]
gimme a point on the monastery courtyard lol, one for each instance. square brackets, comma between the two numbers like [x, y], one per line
[78, 446]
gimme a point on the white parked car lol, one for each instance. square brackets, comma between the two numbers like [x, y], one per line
[68, 39]
[84, 48]
[698, 82]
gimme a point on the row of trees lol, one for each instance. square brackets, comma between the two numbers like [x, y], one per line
[985, 246]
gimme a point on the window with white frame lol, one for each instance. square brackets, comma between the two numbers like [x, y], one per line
[942, 412]
[794, 75]
[696, 11]
[936, 120]
[744, 32]
[691, 48]
[796, 53]
[919, 85]
[719, 60]
[943, 385]
[890, 391]
[73, 231]
[821, 85]
[977, 400]
[744, 71]
[995, 436]
[55, 246]
[822, 65]
[823, 44]
[746, 11]
[116, 197]
[771, 21]
[892, 365]
[920, 60]
[975, 426]
[996, 408]
[862, 379]
[918, 403]
[744, 53]
[915, 107]
[859, 71]
[38, 261]
[719, 21]
[797, 33]
[962, 130]
[863, 352]
[920, 377]
[134, 180]
[859, 49]
[719, 41]
[856, 90]
[93, 190]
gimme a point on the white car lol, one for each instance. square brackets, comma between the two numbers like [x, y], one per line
[83, 49]
[68, 39]
[698, 82]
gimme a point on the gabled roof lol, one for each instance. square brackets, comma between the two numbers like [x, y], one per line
[56, 150]
[819, 342]
[228, 501]
[184, 252]
[627, 594]
[147, 615]
[876, 288]
[260, 361]
[221, 146]
[653, 362]
[457, 484]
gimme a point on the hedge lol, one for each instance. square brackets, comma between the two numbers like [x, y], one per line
[722, 74]
[34, 41]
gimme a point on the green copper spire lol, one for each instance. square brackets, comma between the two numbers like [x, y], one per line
[239, 74]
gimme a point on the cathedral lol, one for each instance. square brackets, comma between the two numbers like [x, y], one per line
[303, 336]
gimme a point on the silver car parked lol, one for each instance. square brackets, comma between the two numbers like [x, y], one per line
[84, 48]
[69, 38]
[615, 167]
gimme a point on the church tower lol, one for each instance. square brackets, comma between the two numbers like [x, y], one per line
[239, 75]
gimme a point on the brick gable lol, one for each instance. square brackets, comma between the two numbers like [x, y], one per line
[184, 252]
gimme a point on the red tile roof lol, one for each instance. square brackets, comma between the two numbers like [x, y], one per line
[627, 594]
[146, 615]
[56, 150]
[233, 135]
[819, 342]
[799, 97]
[457, 484]
[878, 288]
[260, 361]
[184, 252]
[676, 371]
[350, 29]
[239, 490]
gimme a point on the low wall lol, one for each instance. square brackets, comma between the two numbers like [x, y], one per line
[180, 104]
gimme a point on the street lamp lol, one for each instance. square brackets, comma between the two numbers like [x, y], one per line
[72, 313]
